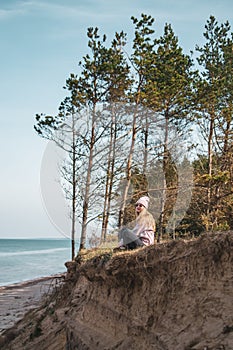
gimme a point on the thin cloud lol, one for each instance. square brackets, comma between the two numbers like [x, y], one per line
[9, 13]
[20, 8]
[106, 11]
[58, 10]
[70, 10]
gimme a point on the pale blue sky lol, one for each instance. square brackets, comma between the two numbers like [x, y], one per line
[41, 44]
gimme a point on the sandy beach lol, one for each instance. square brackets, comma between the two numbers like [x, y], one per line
[17, 299]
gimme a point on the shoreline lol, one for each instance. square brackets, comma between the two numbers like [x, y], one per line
[30, 281]
[18, 298]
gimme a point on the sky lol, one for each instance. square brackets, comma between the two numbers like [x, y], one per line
[41, 43]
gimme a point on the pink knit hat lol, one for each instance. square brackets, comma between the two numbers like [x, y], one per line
[144, 201]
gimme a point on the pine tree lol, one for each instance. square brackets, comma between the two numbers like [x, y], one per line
[168, 91]
[142, 46]
[214, 102]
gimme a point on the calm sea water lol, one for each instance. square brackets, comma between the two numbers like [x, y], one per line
[26, 259]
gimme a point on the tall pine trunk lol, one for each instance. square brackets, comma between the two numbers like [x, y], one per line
[164, 189]
[129, 164]
[74, 185]
[210, 170]
[109, 177]
[88, 183]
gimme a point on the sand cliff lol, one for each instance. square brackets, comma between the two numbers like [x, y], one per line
[173, 296]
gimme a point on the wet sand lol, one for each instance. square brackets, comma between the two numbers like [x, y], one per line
[17, 299]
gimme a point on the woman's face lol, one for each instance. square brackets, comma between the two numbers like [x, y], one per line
[139, 208]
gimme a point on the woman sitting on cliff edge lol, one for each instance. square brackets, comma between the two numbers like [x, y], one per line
[143, 232]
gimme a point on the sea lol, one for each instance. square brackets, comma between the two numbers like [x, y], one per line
[27, 259]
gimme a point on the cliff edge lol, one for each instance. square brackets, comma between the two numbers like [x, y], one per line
[170, 296]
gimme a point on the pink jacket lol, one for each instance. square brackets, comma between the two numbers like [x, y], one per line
[146, 234]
